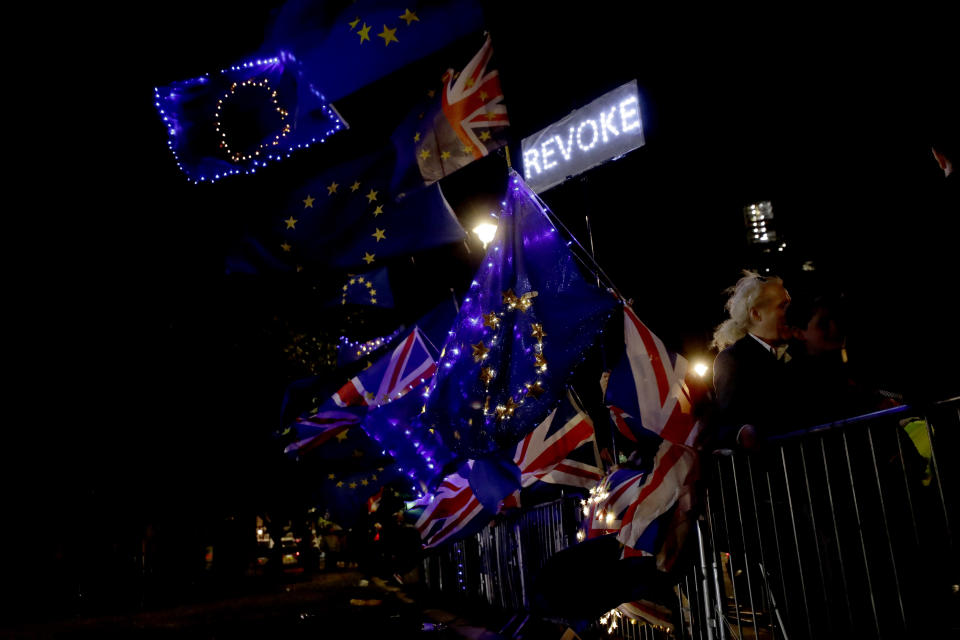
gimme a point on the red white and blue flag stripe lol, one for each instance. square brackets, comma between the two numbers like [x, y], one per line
[544, 454]
[648, 389]
[450, 510]
[408, 366]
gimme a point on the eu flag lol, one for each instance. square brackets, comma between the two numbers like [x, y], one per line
[244, 117]
[346, 46]
[524, 325]
[346, 219]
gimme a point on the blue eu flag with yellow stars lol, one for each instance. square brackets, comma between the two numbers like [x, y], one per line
[369, 289]
[345, 46]
[346, 218]
[525, 323]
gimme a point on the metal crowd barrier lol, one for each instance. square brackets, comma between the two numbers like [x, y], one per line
[843, 530]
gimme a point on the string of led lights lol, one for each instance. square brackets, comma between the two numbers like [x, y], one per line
[365, 347]
[168, 101]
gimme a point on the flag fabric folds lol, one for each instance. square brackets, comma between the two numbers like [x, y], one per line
[344, 219]
[244, 117]
[463, 120]
[346, 46]
[452, 511]
[349, 497]
[648, 392]
[546, 453]
[525, 323]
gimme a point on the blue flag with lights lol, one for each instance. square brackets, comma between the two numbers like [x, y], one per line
[347, 495]
[347, 218]
[346, 46]
[238, 119]
[525, 323]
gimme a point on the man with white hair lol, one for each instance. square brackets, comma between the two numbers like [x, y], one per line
[749, 374]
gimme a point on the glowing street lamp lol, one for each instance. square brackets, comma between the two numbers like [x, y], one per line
[701, 368]
[486, 232]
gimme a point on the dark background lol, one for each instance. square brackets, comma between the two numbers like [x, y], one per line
[151, 382]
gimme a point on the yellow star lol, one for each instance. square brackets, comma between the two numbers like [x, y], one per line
[456, 435]
[510, 298]
[340, 484]
[539, 361]
[353, 25]
[538, 331]
[373, 476]
[364, 33]
[308, 203]
[416, 137]
[485, 136]
[355, 186]
[331, 476]
[535, 390]
[379, 234]
[352, 485]
[353, 281]
[506, 411]
[483, 96]
[299, 268]
[359, 279]
[332, 189]
[468, 149]
[431, 93]
[409, 16]
[286, 247]
[470, 82]
[425, 154]
[373, 293]
[342, 435]
[371, 196]
[369, 284]
[291, 222]
[487, 374]
[480, 351]
[388, 36]
[444, 155]
[491, 320]
[378, 210]
[364, 482]
[491, 115]
[373, 301]
[525, 301]
[368, 257]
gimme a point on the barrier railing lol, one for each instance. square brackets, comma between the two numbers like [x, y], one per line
[843, 530]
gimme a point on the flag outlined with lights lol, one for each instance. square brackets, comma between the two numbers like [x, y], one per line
[408, 366]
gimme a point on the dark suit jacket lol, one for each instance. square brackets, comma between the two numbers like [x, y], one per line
[752, 387]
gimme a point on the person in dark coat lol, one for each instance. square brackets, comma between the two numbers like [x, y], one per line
[750, 376]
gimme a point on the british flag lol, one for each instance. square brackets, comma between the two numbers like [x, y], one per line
[648, 389]
[451, 510]
[474, 100]
[408, 366]
[608, 502]
[544, 455]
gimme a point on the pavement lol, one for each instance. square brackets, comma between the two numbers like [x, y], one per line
[335, 604]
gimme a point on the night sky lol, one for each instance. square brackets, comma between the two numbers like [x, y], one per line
[164, 377]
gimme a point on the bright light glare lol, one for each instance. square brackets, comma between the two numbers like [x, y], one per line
[485, 231]
[701, 369]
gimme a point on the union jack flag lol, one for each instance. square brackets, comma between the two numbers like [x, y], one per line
[450, 510]
[669, 483]
[408, 366]
[648, 390]
[473, 100]
[608, 502]
[544, 454]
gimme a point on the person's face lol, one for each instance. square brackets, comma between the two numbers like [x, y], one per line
[768, 318]
[822, 334]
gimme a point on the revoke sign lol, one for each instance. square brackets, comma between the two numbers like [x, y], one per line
[608, 127]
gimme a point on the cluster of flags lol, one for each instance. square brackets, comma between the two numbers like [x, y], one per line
[477, 426]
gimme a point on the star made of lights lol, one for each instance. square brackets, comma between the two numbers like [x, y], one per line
[237, 156]
[494, 320]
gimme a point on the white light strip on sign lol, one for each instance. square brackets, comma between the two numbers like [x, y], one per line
[608, 127]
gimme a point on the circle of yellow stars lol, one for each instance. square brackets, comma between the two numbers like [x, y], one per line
[236, 156]
[480, 351]
[365, 283]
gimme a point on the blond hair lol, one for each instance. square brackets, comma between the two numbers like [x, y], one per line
[744, 296]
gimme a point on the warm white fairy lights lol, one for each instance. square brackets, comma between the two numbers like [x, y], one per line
[273, 151]
[236, 156]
